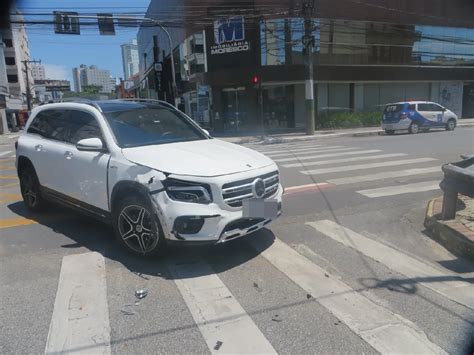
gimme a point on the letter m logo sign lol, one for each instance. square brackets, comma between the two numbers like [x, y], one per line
[229, 29]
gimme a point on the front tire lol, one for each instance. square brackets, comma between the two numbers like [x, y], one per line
[137, 227]
[414, 128]
[390, 132]
[30, 190]
[451, 125]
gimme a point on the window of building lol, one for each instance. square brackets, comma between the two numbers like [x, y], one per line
[12, 78]
[8, 42]
[10, 60]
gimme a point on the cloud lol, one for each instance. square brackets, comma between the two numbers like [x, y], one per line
[57, 72]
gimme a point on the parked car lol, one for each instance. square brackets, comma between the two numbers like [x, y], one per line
[149, 170]
[417, 115]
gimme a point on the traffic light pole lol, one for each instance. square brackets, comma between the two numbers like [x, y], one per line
[308, 42]
[28, 88]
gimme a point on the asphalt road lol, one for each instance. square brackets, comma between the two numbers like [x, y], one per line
[349, 266]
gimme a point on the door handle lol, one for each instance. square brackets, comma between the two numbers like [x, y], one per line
[68, 155]
[39, 148]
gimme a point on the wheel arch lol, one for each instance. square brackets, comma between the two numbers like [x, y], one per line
[124, 188]
[24, 162]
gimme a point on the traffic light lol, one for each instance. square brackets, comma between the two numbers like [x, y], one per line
[256, 82]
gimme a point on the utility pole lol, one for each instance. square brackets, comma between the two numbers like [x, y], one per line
[28, 89]
[308, 42]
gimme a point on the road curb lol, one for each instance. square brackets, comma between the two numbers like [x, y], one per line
[452, 234]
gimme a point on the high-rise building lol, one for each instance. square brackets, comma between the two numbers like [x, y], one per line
[130, 58]
[92, 75]
[38, 72]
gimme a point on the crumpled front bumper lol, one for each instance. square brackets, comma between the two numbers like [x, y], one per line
[221, 224]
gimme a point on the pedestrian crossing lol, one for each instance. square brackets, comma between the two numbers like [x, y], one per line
[79, 322]
[377, 171]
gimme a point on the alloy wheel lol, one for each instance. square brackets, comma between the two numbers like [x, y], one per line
[28, 190]
[135, 225]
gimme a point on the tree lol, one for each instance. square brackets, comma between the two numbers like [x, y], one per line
[91, 89]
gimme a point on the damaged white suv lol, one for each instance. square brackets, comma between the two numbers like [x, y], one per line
[149, 170]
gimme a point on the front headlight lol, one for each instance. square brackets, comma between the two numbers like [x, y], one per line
[186, 191]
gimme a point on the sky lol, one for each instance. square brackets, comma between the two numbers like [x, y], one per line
[60, 53]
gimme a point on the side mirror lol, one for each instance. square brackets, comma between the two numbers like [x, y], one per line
[206, 131]
[90, 145]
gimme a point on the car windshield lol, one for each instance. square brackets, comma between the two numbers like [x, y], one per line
[151, 125]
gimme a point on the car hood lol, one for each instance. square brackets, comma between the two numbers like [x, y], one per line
[211, 157]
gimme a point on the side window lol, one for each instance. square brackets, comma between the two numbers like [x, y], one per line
[83, 125]
[437, 108]
[50, 124]
[412, 107]
[424, 107]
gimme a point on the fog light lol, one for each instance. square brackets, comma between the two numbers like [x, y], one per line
[188, 224]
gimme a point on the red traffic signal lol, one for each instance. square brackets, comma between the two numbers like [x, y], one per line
[255, 80]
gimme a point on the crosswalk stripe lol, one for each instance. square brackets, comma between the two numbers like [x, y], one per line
[302, 150]
[344, 160]
[384, 330]
[384, 175]
[328, 155]
[401, 189]
[80, 321]
[309, 151]
[5, 153]
[286, 149]
[367, 166]
[217, 313]
[445, 283]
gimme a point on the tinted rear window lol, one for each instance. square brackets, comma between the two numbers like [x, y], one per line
[394, 108]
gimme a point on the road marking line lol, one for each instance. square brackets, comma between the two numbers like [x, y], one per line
[317, 156]
[80, 321]
[384, 175]
[16, 222]
[366, 166]
[8, 177]
[445, 283]
[305, 188]
[344, 160]
[6, 160]
[5, 198]
[302, 150]
[216, 312]
[7, 168]
[385, 331]
[5, 153]
[293, 153]
[9, 185]
[401, 189]
[296, 148]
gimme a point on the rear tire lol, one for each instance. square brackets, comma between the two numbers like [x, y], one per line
[390, 132]
[414, 128]
[451, 125]
[137, 227]
[30, 189]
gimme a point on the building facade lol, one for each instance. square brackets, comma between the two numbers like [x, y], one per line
[38, 72]
[51, 90]
[15, 53]
[86, 76]
[365, 56]
[129, 59]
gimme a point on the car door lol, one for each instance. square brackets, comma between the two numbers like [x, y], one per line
[439, 114]
[427, 114]
[88, 181]
[48, 139]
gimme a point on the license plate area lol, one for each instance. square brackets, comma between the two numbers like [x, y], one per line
[258, 208]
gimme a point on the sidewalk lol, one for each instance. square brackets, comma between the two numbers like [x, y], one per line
[296, 137]
[456, 235]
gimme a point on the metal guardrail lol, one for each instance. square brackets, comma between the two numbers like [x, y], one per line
[458, 179]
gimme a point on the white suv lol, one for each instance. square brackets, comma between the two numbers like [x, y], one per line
[149, 170]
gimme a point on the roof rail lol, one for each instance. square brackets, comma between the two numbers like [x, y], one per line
[147, 100]
[82, 100]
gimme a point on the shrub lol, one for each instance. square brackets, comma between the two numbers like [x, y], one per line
[349, 119]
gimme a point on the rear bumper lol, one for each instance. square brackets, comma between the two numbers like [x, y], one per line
[400, 125]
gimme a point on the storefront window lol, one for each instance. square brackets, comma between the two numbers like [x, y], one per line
[342, 42]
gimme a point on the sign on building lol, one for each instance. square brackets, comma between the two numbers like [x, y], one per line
[66, 23]
[229, 36]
